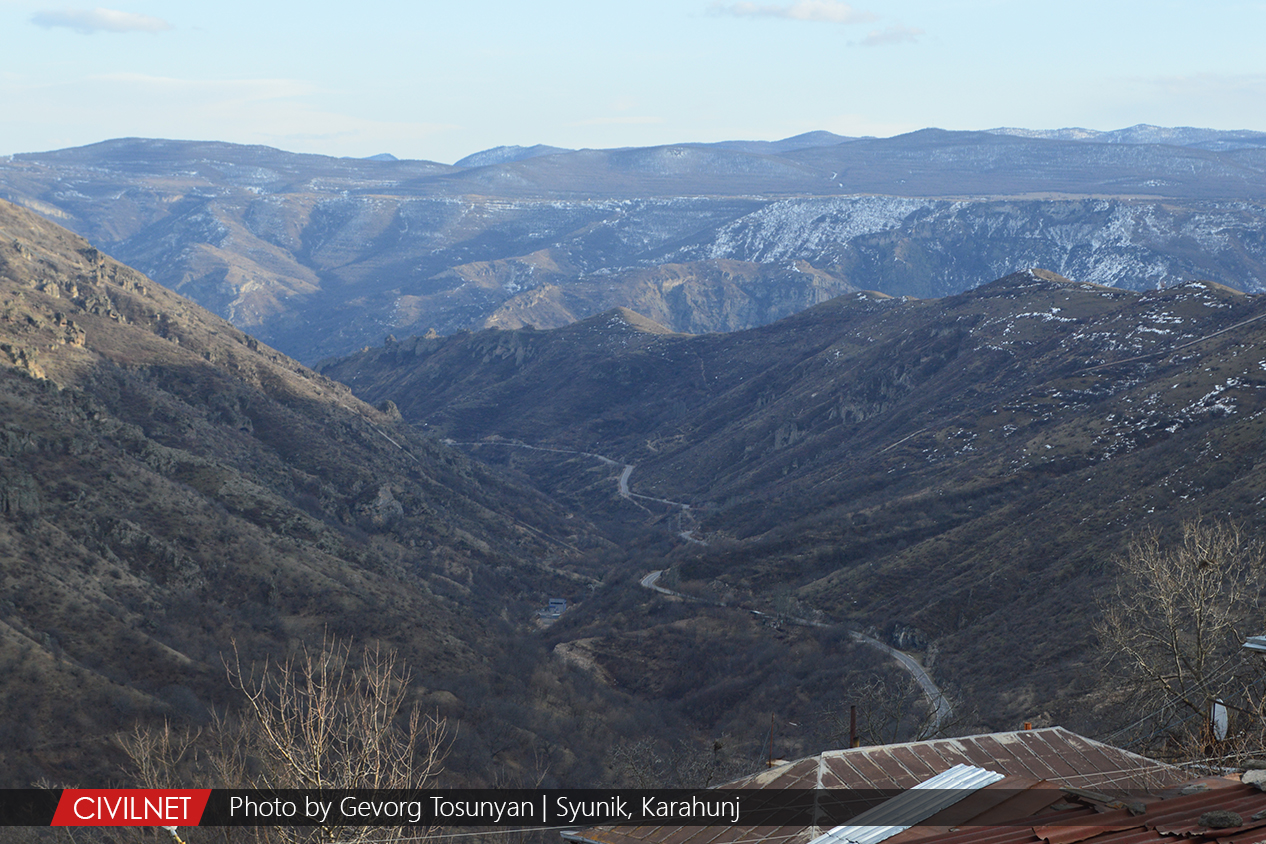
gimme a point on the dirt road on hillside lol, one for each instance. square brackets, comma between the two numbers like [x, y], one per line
[942, 710]
[685, 514]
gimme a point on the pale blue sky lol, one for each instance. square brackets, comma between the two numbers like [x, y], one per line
[439, 80]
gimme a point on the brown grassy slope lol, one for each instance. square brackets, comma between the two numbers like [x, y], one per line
[169, 485]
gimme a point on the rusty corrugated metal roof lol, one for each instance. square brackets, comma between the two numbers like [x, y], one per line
[1164, 819]
[1036, 761]
[993, 811]
[1177, 815]
[1053, 754]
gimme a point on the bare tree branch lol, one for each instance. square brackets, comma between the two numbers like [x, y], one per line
[1172, 627]
[319, 719]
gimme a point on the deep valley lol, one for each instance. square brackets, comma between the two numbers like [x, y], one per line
[928, 389]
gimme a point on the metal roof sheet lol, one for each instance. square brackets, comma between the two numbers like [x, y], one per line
[1052, 753]
[1177, 815]
[1003, 804]
[914, 805]
[1165, 819]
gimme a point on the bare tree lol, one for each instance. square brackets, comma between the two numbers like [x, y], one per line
[318, 723]
[1172, 628]
[316, 720]
[157, 751]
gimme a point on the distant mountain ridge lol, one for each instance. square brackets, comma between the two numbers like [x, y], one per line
[320, 256]
[1143, 133]
[506, 154]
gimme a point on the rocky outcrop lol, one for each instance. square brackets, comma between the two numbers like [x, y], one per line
[19, 494]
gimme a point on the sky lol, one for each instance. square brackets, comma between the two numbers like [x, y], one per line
[440, 79]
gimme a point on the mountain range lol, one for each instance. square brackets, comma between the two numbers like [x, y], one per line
[320, 256]
[175, 493]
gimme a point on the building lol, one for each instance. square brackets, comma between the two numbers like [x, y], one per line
[1030, 771]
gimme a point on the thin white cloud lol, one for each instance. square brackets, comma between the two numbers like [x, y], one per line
[89, 21]
[819, 11]
[891, 35]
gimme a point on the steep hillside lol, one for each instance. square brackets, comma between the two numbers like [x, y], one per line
[170, 486]
[961, 469]
[321, 256]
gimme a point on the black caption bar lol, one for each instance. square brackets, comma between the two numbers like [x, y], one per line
[512, 808]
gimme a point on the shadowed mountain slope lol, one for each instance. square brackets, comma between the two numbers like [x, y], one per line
[169, 486]
[963, 468]
[696, 297]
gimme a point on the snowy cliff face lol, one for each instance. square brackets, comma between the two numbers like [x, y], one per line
[796, 228]
[932, 248]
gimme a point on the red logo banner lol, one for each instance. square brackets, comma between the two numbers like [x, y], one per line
[131, 806]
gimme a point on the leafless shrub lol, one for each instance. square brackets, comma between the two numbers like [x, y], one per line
[317, 723]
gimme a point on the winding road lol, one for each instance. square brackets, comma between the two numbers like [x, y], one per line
[941, 707]
[942, 710]
[622, 482]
